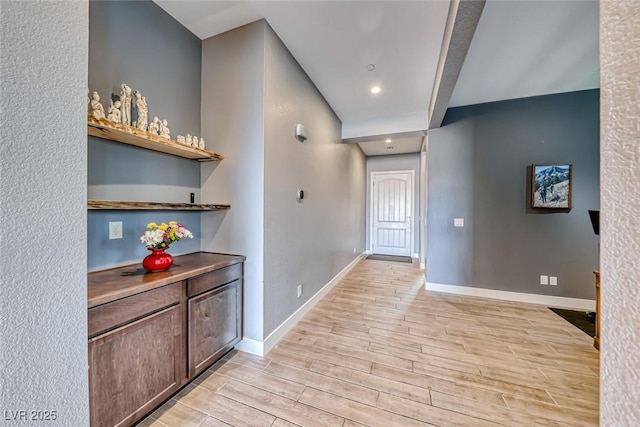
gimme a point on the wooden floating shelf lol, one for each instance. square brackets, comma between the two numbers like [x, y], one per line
[152, 206]
[149, 141]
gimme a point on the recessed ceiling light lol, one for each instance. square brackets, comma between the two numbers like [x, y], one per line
[371, 67]
[375, 89]
[387, 141]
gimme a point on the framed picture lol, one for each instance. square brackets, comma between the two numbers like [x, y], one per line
[551, 186]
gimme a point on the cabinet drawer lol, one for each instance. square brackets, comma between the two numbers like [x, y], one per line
[117, 313]
[211, 280]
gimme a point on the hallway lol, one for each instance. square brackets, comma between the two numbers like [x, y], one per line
[379, 350]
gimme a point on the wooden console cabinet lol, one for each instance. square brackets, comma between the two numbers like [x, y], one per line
[152, 333]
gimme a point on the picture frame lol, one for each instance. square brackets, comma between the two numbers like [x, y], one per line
[551, 186]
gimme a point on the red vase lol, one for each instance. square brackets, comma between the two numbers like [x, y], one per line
[158, 260]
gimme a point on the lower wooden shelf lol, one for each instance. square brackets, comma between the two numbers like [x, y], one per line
[153, 206]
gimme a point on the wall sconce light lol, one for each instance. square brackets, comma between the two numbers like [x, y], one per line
[301, 133]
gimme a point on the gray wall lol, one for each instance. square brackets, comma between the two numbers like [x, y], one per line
[233, 123]
[305, 243]
[139, 44]
[395, 163]
[450, 195]
[253, 95]
[43, 166]
[478, 170]
[620, 151]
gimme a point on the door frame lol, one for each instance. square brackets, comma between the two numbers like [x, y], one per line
[413, 201]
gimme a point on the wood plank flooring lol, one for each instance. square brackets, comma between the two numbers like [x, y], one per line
[379, 350]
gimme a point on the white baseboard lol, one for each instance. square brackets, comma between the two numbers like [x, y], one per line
[261, 348]
[252, 346]
[422, 266]
[546, 300]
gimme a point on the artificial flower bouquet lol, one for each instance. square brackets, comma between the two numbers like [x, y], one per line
[160, 236]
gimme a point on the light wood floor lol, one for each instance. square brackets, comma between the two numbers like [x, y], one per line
[379, 350]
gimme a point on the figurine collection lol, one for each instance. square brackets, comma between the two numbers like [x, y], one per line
[119, 117]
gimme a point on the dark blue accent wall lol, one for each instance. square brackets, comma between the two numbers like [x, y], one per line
[478, 169]
[137, 43]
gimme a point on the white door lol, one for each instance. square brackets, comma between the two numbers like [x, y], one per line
[391, 211]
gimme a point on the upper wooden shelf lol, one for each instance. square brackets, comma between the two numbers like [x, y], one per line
[149, 141]
[152, 206]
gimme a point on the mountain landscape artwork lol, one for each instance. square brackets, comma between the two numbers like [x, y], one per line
[551, 186]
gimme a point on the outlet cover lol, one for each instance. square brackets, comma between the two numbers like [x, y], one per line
[553, 280]
[458, 222]
[115, 230]
[299, 291]
[544, 280]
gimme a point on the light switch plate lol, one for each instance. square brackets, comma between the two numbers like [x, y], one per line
[458, 222]
[553, 280]
[544, 280]
[115, 230]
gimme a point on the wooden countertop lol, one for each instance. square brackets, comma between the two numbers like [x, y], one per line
[110, 285]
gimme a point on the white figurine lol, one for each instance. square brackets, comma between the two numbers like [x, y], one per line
[180, 139]
[88, 101]
[125, 107]
[97, 110]
[194, 141]
[164, 129]
[143, 111]
[114, 111]
[189, 140]
[201, 144]
[154, 126]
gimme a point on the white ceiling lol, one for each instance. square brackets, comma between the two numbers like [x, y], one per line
[520, 48]
[396, 146]
[530, 48]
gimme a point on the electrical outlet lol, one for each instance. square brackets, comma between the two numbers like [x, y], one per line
[553, 280]
[458, 222]
[354, 250]
[299, 291]
[544, 280]
[115, 230]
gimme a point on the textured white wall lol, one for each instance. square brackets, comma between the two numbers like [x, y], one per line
[620, 210]
[43, 176]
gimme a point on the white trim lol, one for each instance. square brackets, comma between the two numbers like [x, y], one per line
[261, 348]
[422, 266]
[252, 346]
[413, 200]
[547, 300]
[416, 256]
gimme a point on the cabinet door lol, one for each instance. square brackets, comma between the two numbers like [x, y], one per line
[134, 368]
[215, 325]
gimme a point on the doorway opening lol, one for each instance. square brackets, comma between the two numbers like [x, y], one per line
[391, 213]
